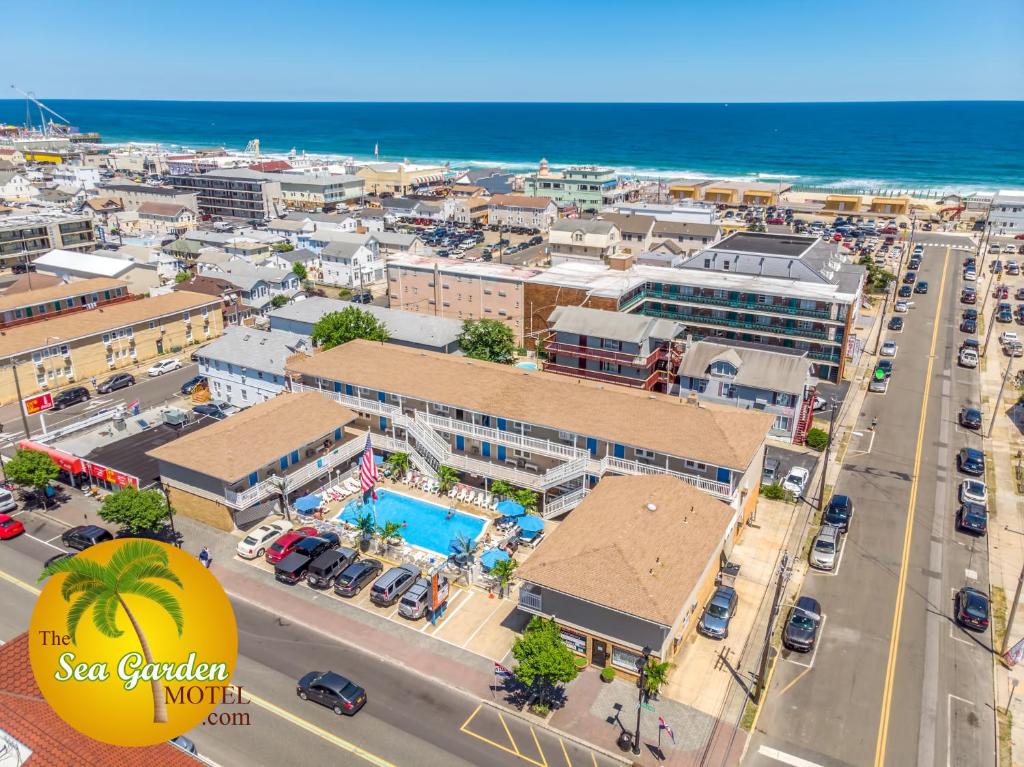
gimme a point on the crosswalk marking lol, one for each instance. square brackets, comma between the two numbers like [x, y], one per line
[782, 756]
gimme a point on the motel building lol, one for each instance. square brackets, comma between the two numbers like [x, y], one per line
[555, 435]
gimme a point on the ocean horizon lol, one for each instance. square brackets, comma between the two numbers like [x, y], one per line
[921, 146]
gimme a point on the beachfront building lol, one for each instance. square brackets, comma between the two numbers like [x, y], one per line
[522, 210]
[583, 187]
[746, 377]
[399, 178]
[245, 366]
[630, 568]
[60, 351]
[411, 329]
[133, 195]
[589, 240]
[551, 434]
[237, 471]
[320, 193]
[234, 193]
[625, 349]
[458, 290]
[44, 303]
[1006, 216]
[890, 206]
[24, 238]
[843, 203]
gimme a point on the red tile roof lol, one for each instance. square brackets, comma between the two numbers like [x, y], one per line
[270, 166]
[27, 717]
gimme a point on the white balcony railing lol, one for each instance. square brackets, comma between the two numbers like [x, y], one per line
[530, 600]
[497, 436]
[564, 503]
[622, 466]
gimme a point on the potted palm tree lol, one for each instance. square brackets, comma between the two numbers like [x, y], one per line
[503, 571]
[364, 524]
[389, 534]
[447, 477]
[399, 464]
[655, 677]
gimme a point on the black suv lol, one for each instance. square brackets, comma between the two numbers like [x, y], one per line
[70, 397]
[313, 547]
[839, 512]
[115, 382]
[84, 536]
[326, 567]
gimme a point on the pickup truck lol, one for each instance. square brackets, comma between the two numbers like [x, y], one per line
[1008, 336]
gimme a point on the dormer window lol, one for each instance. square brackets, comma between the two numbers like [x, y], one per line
[723, 368]
[577, 236]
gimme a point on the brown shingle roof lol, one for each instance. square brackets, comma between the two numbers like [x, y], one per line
[27, 717]
[614, 551]
[671, 228]
[258, 436]
[160, 208]
[43, 294]
[631, 224]
[718, 435]
[519, 201]
[32, 281]
[25, 338]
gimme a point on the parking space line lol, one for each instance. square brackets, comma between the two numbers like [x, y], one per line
[782, 756]
[449, 615]
[540, 750]
[565, 753]
[482, 623]
[509, 733]
[45, 543]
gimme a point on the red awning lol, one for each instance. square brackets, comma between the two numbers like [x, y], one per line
[66, 461]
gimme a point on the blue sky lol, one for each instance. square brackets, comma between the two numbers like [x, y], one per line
[523, 50]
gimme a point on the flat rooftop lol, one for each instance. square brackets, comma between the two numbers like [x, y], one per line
[766, 243]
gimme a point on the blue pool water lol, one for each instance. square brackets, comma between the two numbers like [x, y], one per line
[426, 525]
[527, 365]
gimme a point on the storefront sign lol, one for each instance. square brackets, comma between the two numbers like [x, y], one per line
[38, 403]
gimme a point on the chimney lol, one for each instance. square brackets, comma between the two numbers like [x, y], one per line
[620, 262]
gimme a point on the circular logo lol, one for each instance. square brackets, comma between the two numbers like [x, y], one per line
[132, 642]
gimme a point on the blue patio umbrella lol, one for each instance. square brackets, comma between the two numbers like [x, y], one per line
[307, 503]
[491, 557]
[378, 459]
[530, 526]
[510, 509]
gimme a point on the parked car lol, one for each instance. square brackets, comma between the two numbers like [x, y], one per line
[115, 382]
[354, 577]
[284, 545]
[69, 397]
[972, 518]
[328, 566]
[969, 326]
[714, 622]
[921, 287]
[970, 608]
[970, 418]
[1004, 313]
[192, 384]
[878, 385]
[886, 366]
[292, 568]
[896, 323]
[905, 291]
[255, 544]
[84, 536]
[362, 297]
[796, 480]
[339, 694]
[909, 278]
[417, 600]
[825, 548]
[802, 624]
[901, 307]
[839, 512]
[973, 490]
[390, 587]
[217, 410]
[968, 358]
[10, 527]
[971, 461]
[968, 296]
[315, 545]
[7, 502]
[889, 349]
[164, 366]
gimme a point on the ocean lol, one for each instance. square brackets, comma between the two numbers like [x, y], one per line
[920, 146]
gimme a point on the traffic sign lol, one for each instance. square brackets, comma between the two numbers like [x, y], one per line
[38, 403]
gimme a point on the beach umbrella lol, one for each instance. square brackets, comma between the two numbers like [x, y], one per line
[491, 557]
[307, 503]
[378, 459]
[530, 526]
[510, 509]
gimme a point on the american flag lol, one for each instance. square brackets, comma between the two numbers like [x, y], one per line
[368, 471]
[663, 725]
[500, 670]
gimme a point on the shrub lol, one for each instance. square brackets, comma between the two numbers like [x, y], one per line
[817, 439]
[581, 662]
[773, 492]
[607, 674]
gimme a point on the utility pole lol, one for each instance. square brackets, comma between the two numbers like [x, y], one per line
[999, 397]
[762, 670]
[21, 404]
[1013, 612]
[991, 324]
[828, 451]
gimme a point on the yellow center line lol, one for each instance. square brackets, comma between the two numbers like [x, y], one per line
[908, 533]
[19, 583]
[352, 748]
[594, 757]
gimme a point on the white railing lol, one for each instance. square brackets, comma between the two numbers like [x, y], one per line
[566, 471]
[530, 600]
[563, 503]
[608, 463]
[487, 434]
[426, 437]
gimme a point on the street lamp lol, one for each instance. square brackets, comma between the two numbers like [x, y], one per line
[642, 668]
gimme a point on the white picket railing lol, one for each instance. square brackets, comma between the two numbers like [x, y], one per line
[564, 503]
[497, 436]
[622, 466]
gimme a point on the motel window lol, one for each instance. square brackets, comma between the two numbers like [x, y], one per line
[783, 400]
[40, 377]
[707, 263]
[521, 453]
[697, 465]
[646, 454]
[574, 641]
[565, 436]
[502, 293]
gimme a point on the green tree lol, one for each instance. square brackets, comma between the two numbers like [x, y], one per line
[283, 247]
[447, 477]
[389, 531]
[338, 328]
[655, 676]
[300, 271]
[135, 510]
[817, 439]
[30, 468]
[130, 572]
[488, 340]
[279, 300]
[366, 527]
[527, 499]
[544, 660]
[502, 489]
[180, 277]
[399, 463]
[503, 571]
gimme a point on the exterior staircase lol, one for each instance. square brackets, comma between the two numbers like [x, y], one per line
[806, 418]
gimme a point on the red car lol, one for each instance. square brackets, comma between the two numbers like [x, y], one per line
[1001, 292]
[284, 545]
[10, 527]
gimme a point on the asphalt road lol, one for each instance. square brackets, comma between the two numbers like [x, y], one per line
[408, 720]
[925, 698]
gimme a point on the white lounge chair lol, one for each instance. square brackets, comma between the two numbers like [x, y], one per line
[478, 499]
[494, 503]
[352, 485]
[455, 489]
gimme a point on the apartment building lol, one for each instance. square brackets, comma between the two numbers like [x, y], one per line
[685, 237]
[70, 266]
[1006, 215]
[133, 195]
[230, 295]
[246, 366]
[399, 178]
[679, 212]
[522, 210]
[536, 430]
[458, 290]
[351, 260]
[257, 285]
[636, 230]
[625, 349]
[583, 187]
[465, 210]
[237, 471]
[25, 238]
[64, 298]
[753, 378]
[321, 192]
[92, 344]
[583, 239]
[165, 218]
[234, 193]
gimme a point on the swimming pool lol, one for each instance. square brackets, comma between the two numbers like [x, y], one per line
[426, 524]
[527, 365]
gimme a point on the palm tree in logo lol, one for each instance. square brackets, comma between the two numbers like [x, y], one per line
[103, 588]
